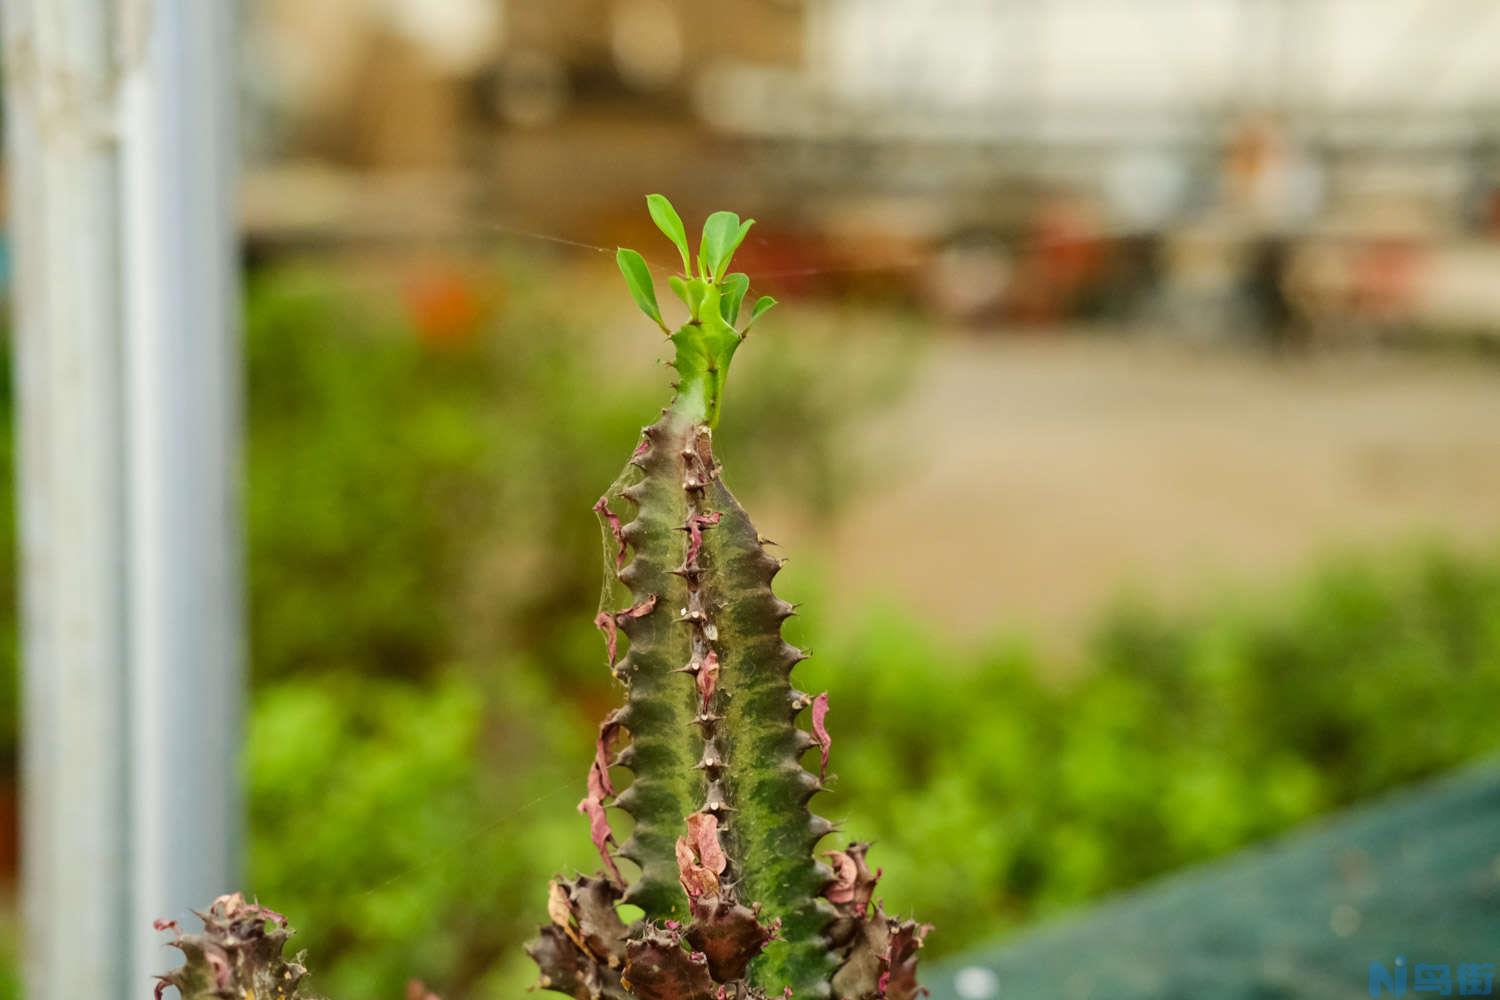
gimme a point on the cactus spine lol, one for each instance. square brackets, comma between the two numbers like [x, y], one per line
[735, 902]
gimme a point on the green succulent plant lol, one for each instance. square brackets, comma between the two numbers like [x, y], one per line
[735, 902]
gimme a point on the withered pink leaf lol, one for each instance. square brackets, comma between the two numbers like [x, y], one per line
[639, 610]
[697, 881]
[841, 890]
[703, 834]
[898, 981]
[820, 731]
[558, 908]
[700, 857]
[615, 528]
[599, 769]
[729, 934]
[600, 834]
[564, 968]
[881, 958]
[598, 784]
[853, 883]
[591, 905]
[658, 968]
[609, 624]
[605, 622]
[708, 677]
[695, 525]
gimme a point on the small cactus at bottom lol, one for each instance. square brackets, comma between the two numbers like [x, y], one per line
[236, 955]
[735, 902]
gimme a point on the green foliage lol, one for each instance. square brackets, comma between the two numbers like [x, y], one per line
[997, 795]
[713, 295]
[722, 235]
[735, 287]
[402, 827]
[762, 305]
[638, 280]
[670, 223]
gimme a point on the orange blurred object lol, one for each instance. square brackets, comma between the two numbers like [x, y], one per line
[445, 307]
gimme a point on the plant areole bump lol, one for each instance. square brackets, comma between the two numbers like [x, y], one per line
[723, 846]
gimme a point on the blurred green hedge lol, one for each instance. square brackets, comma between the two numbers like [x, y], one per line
[410, 828]
[998, 797]
[422, 568]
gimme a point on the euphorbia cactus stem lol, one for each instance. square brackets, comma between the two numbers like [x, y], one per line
[735, 901]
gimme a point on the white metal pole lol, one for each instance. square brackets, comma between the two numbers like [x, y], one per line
[181, 364]
[64, 199]
[120, 187]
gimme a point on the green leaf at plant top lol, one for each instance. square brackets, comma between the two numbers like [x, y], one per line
[739, 238]
[720, 231]
[691, 292]
[638, 279]
[670, 223]
[735, 287]
[679, 288]
[726, 254]
[762, 304]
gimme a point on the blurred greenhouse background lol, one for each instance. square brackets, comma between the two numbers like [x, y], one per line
[1131, 419]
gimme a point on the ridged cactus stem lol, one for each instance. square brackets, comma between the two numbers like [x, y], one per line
[723, 837]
